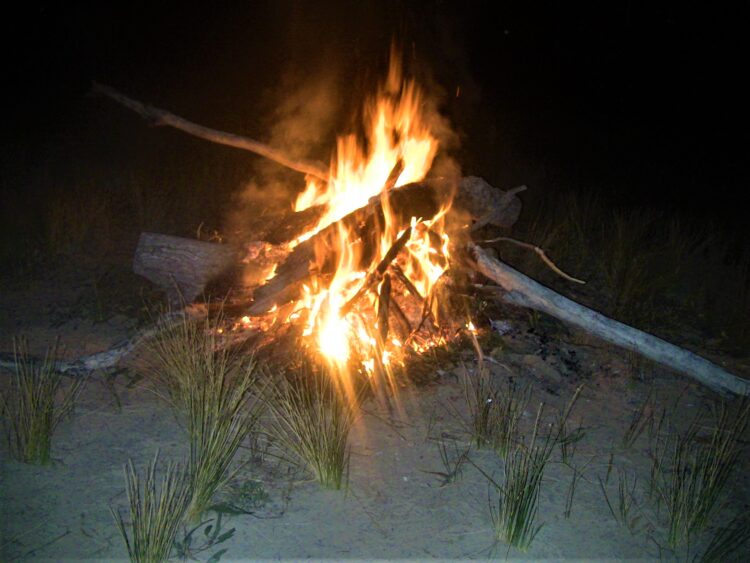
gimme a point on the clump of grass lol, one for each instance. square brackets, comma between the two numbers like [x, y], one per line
[505, 417]
[155, 514]
[214, 395]
[690, 471]
[311, 421]
[494, 416]
[518, 502]
[31, 409]
[727, 541]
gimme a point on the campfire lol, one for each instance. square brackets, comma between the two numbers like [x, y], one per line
[358, 266]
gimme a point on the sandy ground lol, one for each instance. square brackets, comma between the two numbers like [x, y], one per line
[395, 506]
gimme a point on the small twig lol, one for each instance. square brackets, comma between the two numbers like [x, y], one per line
[384, 300]
[162, 117]
[541, 255]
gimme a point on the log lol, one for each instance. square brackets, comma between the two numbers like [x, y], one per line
[181, 266]
[488, 205]
[162, 117]
[522, 291]
[421, 199]
[110, 358]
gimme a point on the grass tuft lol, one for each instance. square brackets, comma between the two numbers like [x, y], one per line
[690, 471]
[213, 392]
[30, 409]
[311, 421]
[518, 502]
[155, 514]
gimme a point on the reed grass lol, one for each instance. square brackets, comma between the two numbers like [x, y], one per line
[215, 394]
[622, 510]
[35, 405]
[311, 422]
[726, 542]
[690, 471]
[518, 496]
[155, 512]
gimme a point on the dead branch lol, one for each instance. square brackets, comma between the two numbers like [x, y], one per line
[108, 359]
[162, 117]
[384, 300]
[550, 264]
[525, 292]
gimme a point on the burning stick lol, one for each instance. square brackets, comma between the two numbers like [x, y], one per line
[379, 270]
[399, 273]
[162, 117]
[384, 300]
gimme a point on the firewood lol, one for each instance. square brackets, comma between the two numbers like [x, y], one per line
[378, 273]
[181, 266]
[162, 117]
[522, 291]
[413, 200]
[384, 300]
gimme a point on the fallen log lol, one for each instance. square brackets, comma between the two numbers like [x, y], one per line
[110, 358]
[181, 266]
[522, 291]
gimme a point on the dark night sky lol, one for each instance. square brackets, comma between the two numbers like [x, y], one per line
[637, 98]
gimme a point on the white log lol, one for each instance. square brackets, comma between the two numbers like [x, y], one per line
[525, 292]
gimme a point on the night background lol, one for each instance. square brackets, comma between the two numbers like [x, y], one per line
[626, 120]
[640, 102]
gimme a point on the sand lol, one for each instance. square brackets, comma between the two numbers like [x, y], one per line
[395, 506]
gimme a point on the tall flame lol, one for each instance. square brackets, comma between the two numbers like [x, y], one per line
[397, 136]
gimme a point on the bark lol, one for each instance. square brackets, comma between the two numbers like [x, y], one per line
[525, 292]
[182, 266]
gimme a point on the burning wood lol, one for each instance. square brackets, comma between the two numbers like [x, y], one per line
[375, 219]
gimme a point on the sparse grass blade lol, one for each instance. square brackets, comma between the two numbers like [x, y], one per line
[155, 513]
[311, 421]
[726, 542]
[622, 511]
[640, 421]
[481, 400]
[690, 471]
[505, 417]
[518, 502]
[31, 409]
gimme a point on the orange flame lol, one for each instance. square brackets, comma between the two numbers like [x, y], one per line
[396, 132]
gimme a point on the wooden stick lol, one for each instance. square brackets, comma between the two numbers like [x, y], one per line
[539, 252]
[375, 276]
[384, 299]
[525, 292]
[162, 117]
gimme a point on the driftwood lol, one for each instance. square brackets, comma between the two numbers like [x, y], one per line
[109, 359]
[182, 266]
[162, 117]
[522, 291]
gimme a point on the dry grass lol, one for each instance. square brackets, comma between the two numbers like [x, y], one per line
[690, 471]
[311, 422]
[35, 405]
[215, 396]
[155, 513]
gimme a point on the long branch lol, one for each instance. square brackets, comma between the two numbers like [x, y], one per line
[525, 292]
[162, 117]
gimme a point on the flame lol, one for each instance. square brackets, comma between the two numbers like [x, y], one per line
[397, 137]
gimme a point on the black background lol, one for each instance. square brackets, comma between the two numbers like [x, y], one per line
[641, 102]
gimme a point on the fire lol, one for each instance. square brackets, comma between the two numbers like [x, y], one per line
[400, 150]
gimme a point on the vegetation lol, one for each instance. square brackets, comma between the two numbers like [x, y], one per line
[155, 513]
[518, 495]
[690, 471]
[311, 422]
[215, 396]
[31, 409]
